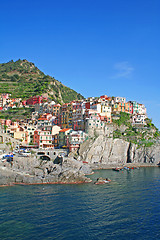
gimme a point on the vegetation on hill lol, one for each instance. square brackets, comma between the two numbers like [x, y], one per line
[17, 113]
[23, 79]
[138, 134]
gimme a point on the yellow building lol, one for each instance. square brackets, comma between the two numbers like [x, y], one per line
[115, 108]
[56, 109]
[22, 135]
[66, 116]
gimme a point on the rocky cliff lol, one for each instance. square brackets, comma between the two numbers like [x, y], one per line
[111, 151]
[30, 170]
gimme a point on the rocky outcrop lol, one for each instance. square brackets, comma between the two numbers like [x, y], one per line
[31, 170]
[111, 151]
[149, 155]
[103, 151]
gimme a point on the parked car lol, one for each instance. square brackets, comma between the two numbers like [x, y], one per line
[25, 154]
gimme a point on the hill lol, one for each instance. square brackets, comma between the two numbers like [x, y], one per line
[23, 79]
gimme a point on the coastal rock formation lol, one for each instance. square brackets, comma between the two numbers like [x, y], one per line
[111, 151]
[32, 170]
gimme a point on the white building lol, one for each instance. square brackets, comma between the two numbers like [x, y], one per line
[93, 123]
[141, 109]
[78, 114]
[120, 100]
[139, 119]
[74, 139]
[96, 107]
[106, 110]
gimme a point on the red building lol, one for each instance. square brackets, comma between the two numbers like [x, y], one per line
[8, 122]
[104, 97]
[35, 100]
[87, 105]
[24, 102]
[76, 105]
[36, 137]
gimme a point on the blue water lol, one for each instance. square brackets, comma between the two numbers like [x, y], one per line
[126, 208]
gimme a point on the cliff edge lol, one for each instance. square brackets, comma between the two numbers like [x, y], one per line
[111, 151]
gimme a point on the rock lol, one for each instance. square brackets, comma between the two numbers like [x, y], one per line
[86, 169]
[111, 151]
[30, 170]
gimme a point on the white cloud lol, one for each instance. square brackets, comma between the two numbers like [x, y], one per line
[123, 69]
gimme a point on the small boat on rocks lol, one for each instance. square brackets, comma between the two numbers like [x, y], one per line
[117, 169]
[102, 181]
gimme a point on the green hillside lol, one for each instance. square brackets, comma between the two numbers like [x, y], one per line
[23, 79]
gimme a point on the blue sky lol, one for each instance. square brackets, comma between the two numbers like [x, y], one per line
[95, 47]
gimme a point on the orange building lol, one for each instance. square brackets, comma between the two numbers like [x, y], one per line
[121, 107]
[129, 108]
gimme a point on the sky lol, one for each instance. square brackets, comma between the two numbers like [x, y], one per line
[95, 47]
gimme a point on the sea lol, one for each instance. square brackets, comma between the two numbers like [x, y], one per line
[126, 208]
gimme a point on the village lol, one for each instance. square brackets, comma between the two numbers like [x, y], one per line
[66, 126]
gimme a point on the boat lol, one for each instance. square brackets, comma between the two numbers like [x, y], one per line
[127, 168]
[116, 169]
[25, 154]
[102, 181]
[158, 164]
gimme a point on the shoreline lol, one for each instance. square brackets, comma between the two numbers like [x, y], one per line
[111, 166]
[102, 167]
[44, 183]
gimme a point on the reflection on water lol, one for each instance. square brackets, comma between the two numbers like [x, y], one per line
[126, 208]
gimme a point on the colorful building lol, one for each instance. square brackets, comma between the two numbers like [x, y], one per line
[56, 109]
[135, 107]
[66, 116]
[74, 139]
[115, 108]
[121, 107]
[139, 119]
[45, 137]
[129, 108]
[62, 141]
[35, 100]
[142, 109]
[119, 99]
